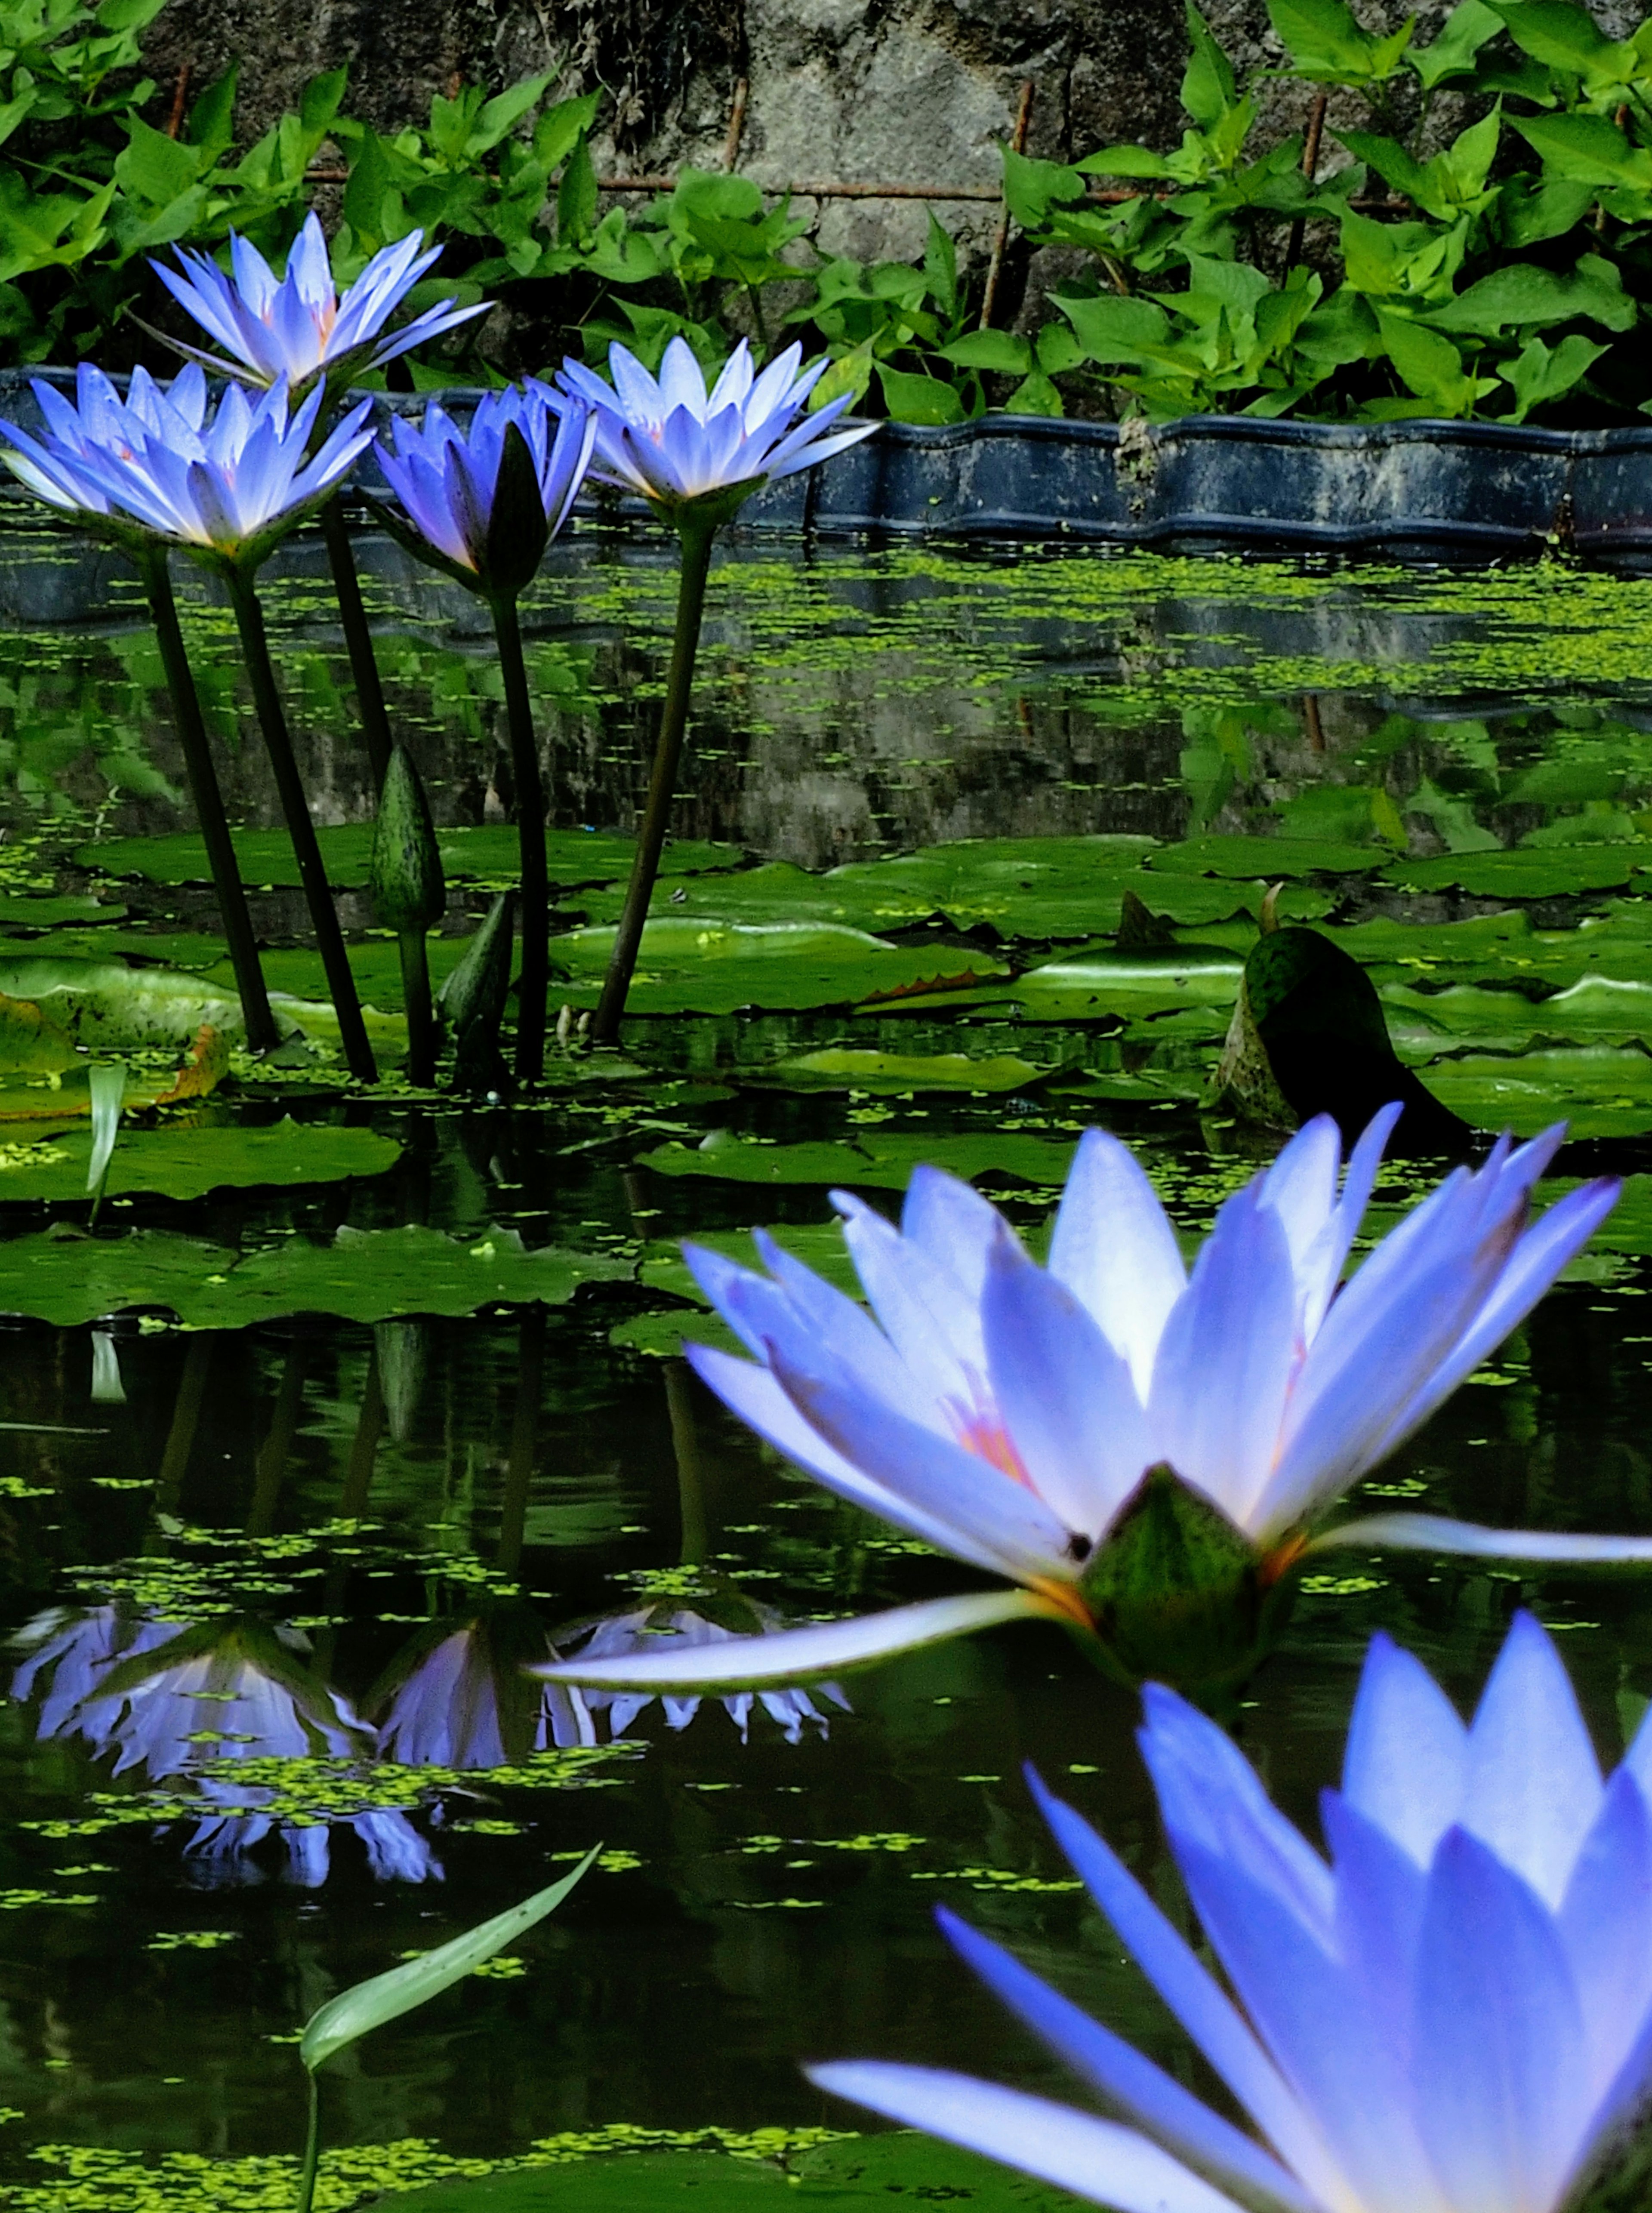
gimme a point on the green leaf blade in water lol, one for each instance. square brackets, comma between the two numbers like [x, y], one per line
[385, 1997]
[108, 1089]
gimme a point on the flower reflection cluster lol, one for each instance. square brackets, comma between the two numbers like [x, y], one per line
[167, 1702]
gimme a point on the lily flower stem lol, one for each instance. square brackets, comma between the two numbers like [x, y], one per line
[358, 640]
[697, 535]
[415, 999]
[533, 983]
[262, 1036]
[324, 918]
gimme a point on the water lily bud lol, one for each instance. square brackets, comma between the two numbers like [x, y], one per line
[474, 997]
[409, 889]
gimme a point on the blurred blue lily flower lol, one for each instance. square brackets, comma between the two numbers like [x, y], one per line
[1040, 1421]
[467, 514]
[677, 443]
[299, 326]
[1454, 2016]
[225, 483]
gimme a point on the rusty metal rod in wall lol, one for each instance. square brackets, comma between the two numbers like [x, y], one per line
[995, 265]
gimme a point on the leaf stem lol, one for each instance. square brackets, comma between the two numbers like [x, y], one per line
[358, 639]
[696, 533]
[262, 1035]
[530, 827]
[324, 918]
[312, 2148]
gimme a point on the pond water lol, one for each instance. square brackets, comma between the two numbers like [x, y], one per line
[1454, 771]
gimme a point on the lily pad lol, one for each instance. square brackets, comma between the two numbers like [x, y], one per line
[487, 853]
[1481, 939]
[362, 1275]
[1523, 873]
[1102, 982]
[1268, 858]
[873, 1162]
[692, 966]
[845, 1067]
[180, 1161]
[51, 910]
[1601, 1091]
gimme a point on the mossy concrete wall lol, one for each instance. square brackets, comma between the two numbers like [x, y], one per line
[866, 91]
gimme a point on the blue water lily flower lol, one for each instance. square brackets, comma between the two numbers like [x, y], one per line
[676, 442]
[1049, 1424]
[300, 325]
[1451, 2015]
[449, 479]
[226, 482]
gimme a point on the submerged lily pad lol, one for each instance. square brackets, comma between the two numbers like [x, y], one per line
[179, 1160]
[487, 853]
[853, 2175]
[691, 966]
[881, 1163]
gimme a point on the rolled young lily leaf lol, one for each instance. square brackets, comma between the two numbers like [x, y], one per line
[800, 1655]
[410, 895]
[108, 1089]
[383, 1997]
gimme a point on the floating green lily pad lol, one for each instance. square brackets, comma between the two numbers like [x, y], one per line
[1102, 982]
[846, 1067]
[1601, 1091]
[876, 1161]
[691, 966]
[362, 1275]
[485, 854]
[50, 910]
[183, 1160]
[1523, 872]
[1268, 858]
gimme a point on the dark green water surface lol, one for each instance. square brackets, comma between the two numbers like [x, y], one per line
[1482, 741]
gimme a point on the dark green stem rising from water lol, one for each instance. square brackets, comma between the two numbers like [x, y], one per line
[358, 640]
[532, 985]
[249, 618]
[696, 530]
[261, 1033]
[312, 2148]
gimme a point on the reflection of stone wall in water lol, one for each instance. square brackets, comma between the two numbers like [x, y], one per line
[869, 91]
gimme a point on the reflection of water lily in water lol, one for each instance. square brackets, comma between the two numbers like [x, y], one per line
[665, 1626]
[178, 1698]
[466, 1695]
[219, 1850]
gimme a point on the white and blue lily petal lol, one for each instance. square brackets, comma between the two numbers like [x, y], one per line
[677, 442]
[1452, 2013]
[224, 482]
[299, 326]
[1013, 1416]
[447, 478]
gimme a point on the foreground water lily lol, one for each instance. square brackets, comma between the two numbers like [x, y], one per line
[1147, 1454]
[1454, 2016]
[300, 325]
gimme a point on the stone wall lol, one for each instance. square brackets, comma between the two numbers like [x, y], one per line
[897, 91]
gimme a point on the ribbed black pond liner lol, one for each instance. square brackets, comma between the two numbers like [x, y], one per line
[1417, 488]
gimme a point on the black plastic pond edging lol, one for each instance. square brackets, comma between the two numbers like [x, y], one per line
[1417, 487]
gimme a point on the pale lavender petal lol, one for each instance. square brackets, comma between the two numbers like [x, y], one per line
[1143, 2093]
[1225, 1360]
[1606, 1924]
[1114, 1245]
[1407, 1751]
[1532, 1783]
[1098, 2160]
[1501, 2079]
[787, 1656]
[1434, 1532]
